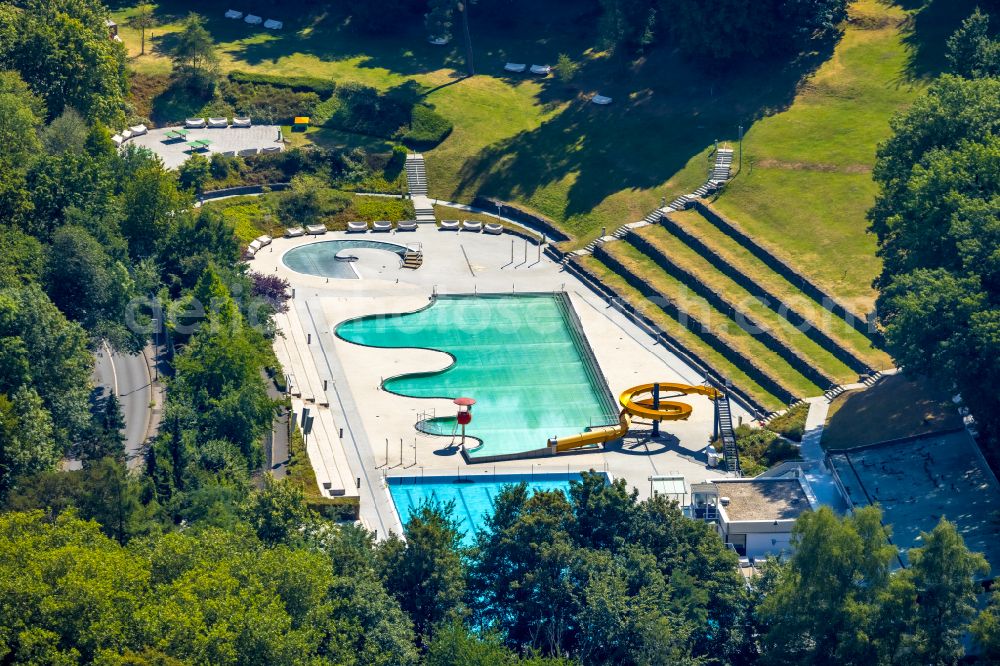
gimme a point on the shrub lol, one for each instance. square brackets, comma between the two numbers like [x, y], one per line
[791, 424]
[566, 68]
[363, 110]
[321, 87]
[427, 127]
[760, 449]
[266, 103]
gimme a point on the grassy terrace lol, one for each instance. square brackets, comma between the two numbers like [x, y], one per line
[720, 324]
[746, 302]
[737, 255]
[675, 330]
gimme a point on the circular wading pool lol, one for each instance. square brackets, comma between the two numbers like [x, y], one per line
[332, 259]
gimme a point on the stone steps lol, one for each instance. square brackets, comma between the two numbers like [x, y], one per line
[416, 175]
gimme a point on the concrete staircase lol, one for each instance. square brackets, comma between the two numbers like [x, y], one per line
[416, 175]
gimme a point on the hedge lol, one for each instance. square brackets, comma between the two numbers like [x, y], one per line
[427, 127]
[321, 87]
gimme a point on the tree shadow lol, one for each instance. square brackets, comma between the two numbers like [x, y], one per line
[926, 32]
[665, 110]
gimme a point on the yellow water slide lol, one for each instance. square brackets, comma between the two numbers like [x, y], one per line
[632, 405]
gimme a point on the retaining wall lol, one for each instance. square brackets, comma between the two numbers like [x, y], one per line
[712, 375]
[814, 333]
[670, 307]
[241, 191]
[791, 355]
[521, 216]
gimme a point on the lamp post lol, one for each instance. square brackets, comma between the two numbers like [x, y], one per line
[156, 349]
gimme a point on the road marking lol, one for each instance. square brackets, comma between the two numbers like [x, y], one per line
[111, 360]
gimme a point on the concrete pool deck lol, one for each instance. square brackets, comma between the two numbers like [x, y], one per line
[377, 425]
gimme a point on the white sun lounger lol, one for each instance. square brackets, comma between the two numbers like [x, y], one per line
[249, 253]
[118, 139]
[271, 149]
[357, 226]
[194, 123]
[233, 14]
[263, 240]
[126, 135]
[600, 99]
[254, 245]
[138, 130]
[382, 225]
[406, 225]
[241, 122]
[515, 67]
[439, 41]
[541, 69]
[449, 225]
[316, 229]
[493, 228]
[294, 232]
[271, 24]
[253, 19]
[218, 123]
[472, 225]
[246, 152]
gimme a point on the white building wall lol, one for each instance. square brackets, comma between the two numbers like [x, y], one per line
[768, 543]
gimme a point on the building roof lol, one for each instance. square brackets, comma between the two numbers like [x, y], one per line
[919, 480]
[668, 485]
[763, 499]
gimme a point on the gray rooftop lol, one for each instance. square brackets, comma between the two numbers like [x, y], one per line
[763, 499]
[918, 481]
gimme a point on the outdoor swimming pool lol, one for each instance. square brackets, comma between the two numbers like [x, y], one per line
[321, 258]
[522, 357]
[473, 496]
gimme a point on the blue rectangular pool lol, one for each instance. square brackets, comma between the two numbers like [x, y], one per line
[473, 495]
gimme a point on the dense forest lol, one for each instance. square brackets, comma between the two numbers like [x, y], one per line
[193, 559]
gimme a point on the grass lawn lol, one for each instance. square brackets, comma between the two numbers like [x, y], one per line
[538, 143]
[897, 406]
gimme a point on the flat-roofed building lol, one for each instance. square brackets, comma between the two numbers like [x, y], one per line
[756, 516]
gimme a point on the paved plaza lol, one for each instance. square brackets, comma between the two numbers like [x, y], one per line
[232, 140]
[372, 431]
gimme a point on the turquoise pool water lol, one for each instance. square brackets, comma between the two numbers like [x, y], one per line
[519, 356]
[321, 258]
[473, 497]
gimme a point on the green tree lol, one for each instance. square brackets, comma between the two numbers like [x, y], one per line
[143, 20]
[195, 57]
[26, 442]
[566, 68]
[986, 629]
[454, 645]
[61, 48]
[943, 572]
[194, 173]
[41, 349]
[278, 513]
[151, 200]
[439, 18]
[971, 52]
[936, 219]
[108, 437]
[824, 600]
[90, 287]
[425, 573]
[68, 132]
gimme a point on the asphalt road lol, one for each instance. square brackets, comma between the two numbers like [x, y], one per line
[129, 375]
